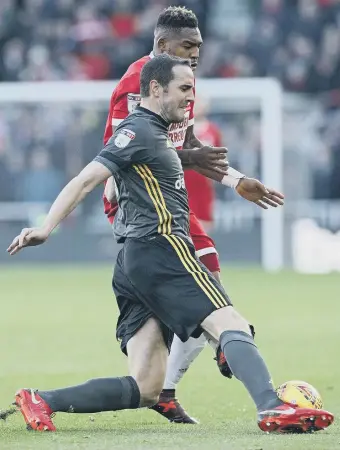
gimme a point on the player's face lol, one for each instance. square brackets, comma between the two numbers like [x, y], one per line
[186, 45]
[175, 99]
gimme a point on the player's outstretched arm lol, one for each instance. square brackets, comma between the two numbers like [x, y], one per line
[72, 194]
[209, 161]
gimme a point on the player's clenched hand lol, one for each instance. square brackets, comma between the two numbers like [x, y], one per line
[28, 237]
[254, 191]
[214, 158]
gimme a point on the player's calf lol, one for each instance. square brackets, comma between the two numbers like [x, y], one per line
[244, 359]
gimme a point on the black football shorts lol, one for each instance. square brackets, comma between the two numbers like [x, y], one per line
[161, 277]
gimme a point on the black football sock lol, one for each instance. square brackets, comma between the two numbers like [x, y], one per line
[248, 366]
[168, 393]
[100, 394]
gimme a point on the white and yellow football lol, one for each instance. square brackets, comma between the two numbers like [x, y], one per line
[300, 393]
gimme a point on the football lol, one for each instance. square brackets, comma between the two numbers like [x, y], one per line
[300, 393]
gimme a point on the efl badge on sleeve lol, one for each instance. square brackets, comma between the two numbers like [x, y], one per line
[124, 137]
[133, 100]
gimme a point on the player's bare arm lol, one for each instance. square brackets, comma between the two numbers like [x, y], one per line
[68, 199]
[109, 190]
[248, 188]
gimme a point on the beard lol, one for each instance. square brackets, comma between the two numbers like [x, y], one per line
[171, 113]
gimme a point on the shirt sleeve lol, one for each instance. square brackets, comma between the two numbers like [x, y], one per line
[125, 98]
[129, 145]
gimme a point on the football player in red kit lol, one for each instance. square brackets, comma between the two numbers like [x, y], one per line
[177, 33]
[200, 189]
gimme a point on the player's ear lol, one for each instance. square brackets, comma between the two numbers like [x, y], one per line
[162, 45]
[154, 88]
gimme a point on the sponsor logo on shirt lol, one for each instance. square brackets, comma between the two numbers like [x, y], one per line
[133, 100]
[177, 131]
[124, 137]
[180, 184]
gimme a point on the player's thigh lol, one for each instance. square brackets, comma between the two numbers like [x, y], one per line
[147, 357]
[133, 313]
[224, 319]
[174, 284]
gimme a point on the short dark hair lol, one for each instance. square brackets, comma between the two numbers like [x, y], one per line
[177, 17]
[159, 68]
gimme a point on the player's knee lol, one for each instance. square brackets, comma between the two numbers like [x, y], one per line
[236, 321]
[225, 319]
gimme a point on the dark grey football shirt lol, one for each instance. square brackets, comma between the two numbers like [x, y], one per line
[149, 177]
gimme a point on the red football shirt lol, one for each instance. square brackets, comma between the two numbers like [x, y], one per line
[201, 189]
[124, 99]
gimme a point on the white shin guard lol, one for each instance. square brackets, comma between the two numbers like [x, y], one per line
[182, 354]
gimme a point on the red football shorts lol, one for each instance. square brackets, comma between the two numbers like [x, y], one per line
[204, 245]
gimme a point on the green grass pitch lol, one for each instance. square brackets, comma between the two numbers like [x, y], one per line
[57, 327]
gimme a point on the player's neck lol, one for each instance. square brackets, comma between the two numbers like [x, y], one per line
[155, 51]
[153, 106]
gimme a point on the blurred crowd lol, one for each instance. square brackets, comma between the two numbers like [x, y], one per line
[76, 39]
[296, 41]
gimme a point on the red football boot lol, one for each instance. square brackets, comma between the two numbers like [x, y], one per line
[289, 419]
[36, 412]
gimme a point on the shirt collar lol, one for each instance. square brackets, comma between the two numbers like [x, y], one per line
[151, 113]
